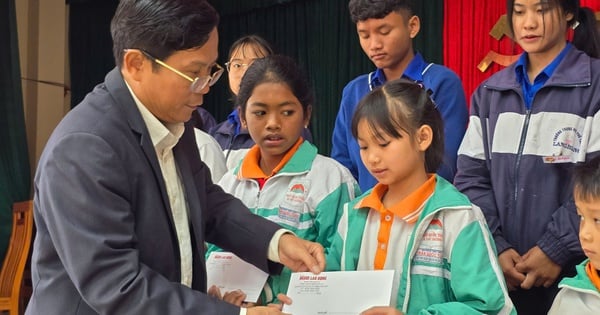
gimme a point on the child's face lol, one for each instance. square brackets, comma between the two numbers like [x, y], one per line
[275, 119]
[589, 228]
[392, 161]
[388, 41]
[239, 62]
[539, 27]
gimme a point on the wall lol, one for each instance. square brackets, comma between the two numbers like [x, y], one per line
[42, 28]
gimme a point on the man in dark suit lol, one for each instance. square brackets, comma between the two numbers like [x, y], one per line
[123, 204]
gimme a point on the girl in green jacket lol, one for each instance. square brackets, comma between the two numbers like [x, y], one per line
[413, 221]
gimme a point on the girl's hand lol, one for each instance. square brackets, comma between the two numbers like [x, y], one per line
[234, 297]
[382, 310]
[263, 310]
[284, 299]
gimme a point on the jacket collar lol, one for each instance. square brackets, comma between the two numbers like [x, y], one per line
[414, 72]
[575, 69]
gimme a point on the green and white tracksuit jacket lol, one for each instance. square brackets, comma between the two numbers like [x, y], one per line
[467, 279]
[578, 295]
[306, 197]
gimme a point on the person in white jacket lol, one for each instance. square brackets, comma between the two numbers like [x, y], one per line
[282, 177]
[581, 294]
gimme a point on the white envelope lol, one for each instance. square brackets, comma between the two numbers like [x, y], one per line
[338, 292]
[229, 272]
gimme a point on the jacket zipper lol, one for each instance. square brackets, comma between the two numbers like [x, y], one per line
[413, 250]
[229, 147]
[520, 152]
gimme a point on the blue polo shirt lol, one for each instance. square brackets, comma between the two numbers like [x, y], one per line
[414, 72]
[529, 90]
[448, 95]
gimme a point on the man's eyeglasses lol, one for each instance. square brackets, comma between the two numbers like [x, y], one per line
[199, 83]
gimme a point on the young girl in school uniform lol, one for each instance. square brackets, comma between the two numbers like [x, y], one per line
[529, 125]
[414, 221]
[282, 177]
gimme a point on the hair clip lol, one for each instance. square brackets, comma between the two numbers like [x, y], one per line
[428, 91]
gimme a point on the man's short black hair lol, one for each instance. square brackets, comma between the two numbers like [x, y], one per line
[361, 10]
[161, 27]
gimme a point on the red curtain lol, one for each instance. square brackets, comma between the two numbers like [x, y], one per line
[467, 38]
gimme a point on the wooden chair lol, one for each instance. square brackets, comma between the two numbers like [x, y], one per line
[16, 257]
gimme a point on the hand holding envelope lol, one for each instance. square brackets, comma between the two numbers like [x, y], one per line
[301, 255]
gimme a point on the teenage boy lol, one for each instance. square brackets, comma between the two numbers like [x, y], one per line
[386, 29]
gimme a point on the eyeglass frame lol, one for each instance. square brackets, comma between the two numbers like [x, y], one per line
[229, 63]
[197, 84]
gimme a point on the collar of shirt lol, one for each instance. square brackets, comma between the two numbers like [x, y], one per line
[529, 90]
[414, 72]
[407, 209]
[592, 273]
[234, 119]
[250, 167]
[163, 136]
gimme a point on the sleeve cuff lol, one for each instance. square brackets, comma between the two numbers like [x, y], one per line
[501, 244]
[273, 254]
[554, 249]
[243, 311]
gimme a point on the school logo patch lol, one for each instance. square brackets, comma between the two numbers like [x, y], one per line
[567, 138]
[293, 204]
[295, 194]
[430, 251]
[289, 216]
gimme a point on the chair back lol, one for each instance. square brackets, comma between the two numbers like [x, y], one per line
[16, 256]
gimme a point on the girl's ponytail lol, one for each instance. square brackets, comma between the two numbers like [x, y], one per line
[586, 36]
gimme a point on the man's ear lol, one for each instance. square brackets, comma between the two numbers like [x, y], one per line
[135, 64]
[424, 136]
[414, 26]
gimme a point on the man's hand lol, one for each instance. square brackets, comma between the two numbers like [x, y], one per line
[508, 259]
[382, 310]
[301, 255]
[540, 270]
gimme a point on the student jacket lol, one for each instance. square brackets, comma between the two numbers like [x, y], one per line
[306, 197]
[508, 162]
[467, 278]
[578, 295]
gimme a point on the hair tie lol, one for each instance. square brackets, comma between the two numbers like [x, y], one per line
[429, 92]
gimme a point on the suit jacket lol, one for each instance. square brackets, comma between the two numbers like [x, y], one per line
[106, 241]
